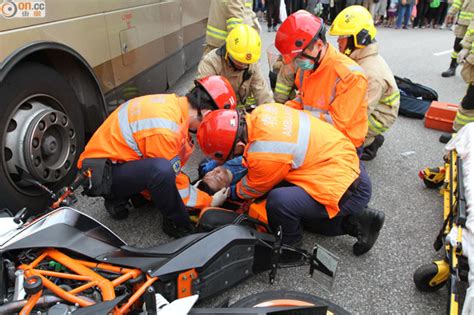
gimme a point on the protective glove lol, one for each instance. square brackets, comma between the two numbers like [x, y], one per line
[197, 184]
[206, 167]
[462, 55]
[219, 197]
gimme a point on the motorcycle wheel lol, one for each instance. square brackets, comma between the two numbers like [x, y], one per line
[288, 298]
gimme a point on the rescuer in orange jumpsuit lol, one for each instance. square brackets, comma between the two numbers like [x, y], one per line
[331, 85]
[142, 146]
[308, 168]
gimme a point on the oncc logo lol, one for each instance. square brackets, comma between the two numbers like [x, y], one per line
[8, 9]
[23, 9]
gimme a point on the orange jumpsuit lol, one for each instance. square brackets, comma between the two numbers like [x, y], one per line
[152, 126]
[289, 145]
[336, 92]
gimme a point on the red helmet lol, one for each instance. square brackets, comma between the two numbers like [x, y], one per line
[217, 134]
[220, 90]
[296, 33]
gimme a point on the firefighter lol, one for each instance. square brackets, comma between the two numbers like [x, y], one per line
[465, 112]
[224, 15]
[308, 168]
[237, 60]
[356, 31]
[465, 8]
[331, 85]
[143, 145]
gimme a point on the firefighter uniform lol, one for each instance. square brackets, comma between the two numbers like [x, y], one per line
[224, 15]
[465, 112]
[336, 92]
[285, 82]
[383, 93]
[318, 161]
[149, 134]
[465, 9]
[249, 85]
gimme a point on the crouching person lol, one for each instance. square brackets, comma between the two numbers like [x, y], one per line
[142, 146]
[318, 163]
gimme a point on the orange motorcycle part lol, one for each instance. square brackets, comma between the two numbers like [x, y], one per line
[185, 282]
[82, 271]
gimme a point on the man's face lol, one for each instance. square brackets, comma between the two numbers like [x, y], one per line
[218, 178]
[342, 43]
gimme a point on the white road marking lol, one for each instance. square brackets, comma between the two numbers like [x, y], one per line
[443, 52]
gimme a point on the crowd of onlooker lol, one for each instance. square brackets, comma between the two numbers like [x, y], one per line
[389, 13]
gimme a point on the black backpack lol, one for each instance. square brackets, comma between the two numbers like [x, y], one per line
[415, 98]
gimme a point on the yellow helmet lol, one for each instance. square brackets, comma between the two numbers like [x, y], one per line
[356, 21]
[243, 44]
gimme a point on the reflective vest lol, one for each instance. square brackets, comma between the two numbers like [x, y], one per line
[152, 126]
[224, 15]
[336, 92]
[291, 145]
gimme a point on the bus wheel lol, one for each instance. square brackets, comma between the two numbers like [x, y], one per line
[41, 135]
[288, 298]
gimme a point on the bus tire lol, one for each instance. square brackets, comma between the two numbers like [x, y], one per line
[288, 296]
[41, 135]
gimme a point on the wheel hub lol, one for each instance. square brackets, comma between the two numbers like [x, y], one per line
[40, 141]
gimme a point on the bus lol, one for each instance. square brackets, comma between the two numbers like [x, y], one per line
[64, 65]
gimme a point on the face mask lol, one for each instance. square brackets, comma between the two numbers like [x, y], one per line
[304, 64]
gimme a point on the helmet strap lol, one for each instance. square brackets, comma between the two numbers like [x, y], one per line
[240, 135]
[350, 46]
[316, 60]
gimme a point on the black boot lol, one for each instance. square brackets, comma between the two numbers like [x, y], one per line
[370, 151]
[118, 208]
[171, 229]
[451, 70]
[365, 226]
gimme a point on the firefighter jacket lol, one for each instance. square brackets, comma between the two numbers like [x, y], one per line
[465, 8]
[249, 85]
[285, 83]
[224, 15]
[336, 92]
[468, 43]
[465, 113]
[292, 145]
[383, 93]
[152, 126]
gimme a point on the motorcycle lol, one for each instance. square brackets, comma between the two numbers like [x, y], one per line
[65, 261]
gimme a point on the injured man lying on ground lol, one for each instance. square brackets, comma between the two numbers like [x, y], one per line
[215, 177]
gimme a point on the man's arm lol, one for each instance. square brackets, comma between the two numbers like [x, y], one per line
[259, 88]
[284, 84]
[262, 176]
[351, 97]
[375, 91]
[168, 147]
[207, 67]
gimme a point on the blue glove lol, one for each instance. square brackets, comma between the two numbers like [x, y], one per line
[207, 166]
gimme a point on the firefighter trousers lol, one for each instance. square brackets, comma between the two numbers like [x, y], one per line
[293, 209]
[158, 177]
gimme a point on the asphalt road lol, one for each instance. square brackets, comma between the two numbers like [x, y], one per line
[380, 281]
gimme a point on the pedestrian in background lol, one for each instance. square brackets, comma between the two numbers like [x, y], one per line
[422, 9]
[392, 13]
[259, 9]
[405, 7]
[273, 14]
